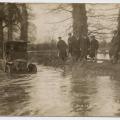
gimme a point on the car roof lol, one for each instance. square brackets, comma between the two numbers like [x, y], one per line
[20, 60]
[20, 41]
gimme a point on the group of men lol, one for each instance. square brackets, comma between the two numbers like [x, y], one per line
[78, 49]
[114, 51]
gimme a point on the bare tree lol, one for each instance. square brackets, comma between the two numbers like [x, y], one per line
[78, 15]
[1, 21]
[80, 26]
[11, 18]
[24, 23]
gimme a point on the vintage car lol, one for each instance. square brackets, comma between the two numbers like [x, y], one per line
[15, 58]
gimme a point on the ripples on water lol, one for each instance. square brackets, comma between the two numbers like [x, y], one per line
[60, 92]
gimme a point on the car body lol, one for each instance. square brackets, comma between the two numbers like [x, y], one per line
[15, 58]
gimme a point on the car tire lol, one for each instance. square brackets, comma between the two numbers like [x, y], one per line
[8, 69]
[32, 68]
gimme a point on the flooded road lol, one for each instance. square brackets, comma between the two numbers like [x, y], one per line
[60, 92]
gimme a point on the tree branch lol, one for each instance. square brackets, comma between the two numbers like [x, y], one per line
[60, 8]
[61, 21]
[13, 24]
[109, 15]
[96, 32]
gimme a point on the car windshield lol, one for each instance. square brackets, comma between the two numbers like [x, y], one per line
[1, 54]
[16, 50]
[16, 47]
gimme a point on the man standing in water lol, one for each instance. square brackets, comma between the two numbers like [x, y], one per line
[114, 48]
[94, 45]
[62, 48]
[84, 46]
[74, 48]
[70, 43]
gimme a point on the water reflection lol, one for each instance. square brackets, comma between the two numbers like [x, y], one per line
[70, 91]
[13, 96]
[103, 56]
[94, 95]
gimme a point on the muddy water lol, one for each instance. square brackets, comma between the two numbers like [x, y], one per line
[60, 92]
[103, 56]
[65, 91]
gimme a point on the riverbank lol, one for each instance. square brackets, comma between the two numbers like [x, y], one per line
[105, 66]
[102, 69]
[54, 61]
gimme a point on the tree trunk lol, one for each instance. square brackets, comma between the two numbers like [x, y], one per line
[24, 23]
[10, 21]
[1, 21]
[80, 26]
[118, 33]
[1, 30]
[10, 31]
[118, 27]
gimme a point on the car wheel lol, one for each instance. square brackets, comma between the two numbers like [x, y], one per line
[8, 69]
[32, 68]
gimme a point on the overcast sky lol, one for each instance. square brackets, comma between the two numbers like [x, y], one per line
[43, 20]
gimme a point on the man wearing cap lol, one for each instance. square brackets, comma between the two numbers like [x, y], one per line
[94, 45]
[84, 46]
[74, 48]
[70, 43]
[62, 48]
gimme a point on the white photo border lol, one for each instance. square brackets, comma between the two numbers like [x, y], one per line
[62, 1]
[60, 118]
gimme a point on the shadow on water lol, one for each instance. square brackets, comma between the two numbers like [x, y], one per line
[13, 94]
[95, 93]
[67, 91]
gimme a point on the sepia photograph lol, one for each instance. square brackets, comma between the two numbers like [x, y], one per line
[60, 59]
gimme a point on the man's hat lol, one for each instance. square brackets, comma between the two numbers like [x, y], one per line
[69, 34]
[92, 36]
[59, 37]
[115, 31]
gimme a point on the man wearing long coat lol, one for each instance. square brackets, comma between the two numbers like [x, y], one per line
[84, 46]
[94, 45]
[115, 47]
[70, 44]
[62, 48]
[74, 48]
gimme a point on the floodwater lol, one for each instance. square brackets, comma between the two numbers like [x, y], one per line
[65, 91]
